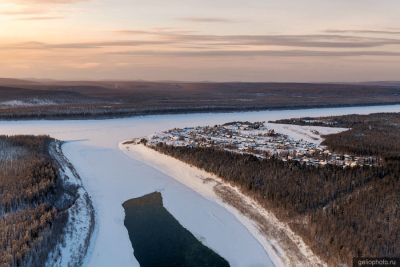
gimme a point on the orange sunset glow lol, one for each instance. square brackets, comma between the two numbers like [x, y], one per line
[307, 40]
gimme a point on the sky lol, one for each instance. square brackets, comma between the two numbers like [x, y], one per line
[207, 40]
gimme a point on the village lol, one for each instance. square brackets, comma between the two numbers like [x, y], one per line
[258, 140]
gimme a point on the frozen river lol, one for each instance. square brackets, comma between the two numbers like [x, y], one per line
[111, 178]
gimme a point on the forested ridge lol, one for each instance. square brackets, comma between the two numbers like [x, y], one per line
[32, 205]
[341, 213]
[100, 99]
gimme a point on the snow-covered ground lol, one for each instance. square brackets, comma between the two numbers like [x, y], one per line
[72, 251]
[206, 184]
[305, 132]
[287, 142]
[26, 103]
[226, 233]
[111, 177]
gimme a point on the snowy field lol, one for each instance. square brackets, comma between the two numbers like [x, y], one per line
[111, 177]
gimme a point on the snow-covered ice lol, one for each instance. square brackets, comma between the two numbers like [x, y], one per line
[111, 177]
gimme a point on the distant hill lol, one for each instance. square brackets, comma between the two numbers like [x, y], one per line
[15, 82]
[86, 99]
[384, 83]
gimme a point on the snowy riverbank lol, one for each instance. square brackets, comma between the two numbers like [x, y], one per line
[111, 177]
[79, 228]
[277, 243]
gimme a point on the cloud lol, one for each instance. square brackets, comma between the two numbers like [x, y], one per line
[388, 32]
[155, 32]
[258, 53]
[35, 9]
[83, 45]
[176, 38]
[41, 18]
[168, 42]
[87, 65]
[207, 20]
[22, 11]
[40, 2]
[311, 40]
[326, 41]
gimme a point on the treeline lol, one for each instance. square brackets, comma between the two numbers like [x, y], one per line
[375, 134]
[341, 213]
[111, 110]
[87, 99]
[31, 201]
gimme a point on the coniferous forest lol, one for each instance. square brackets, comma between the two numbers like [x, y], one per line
[32, 206]
[340, 212]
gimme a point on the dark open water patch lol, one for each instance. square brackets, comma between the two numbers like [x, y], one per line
[159, 240]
